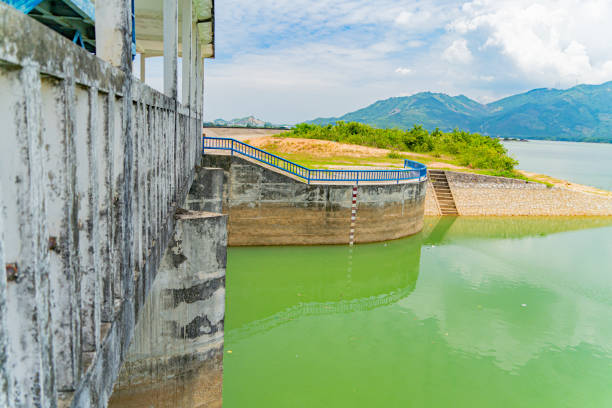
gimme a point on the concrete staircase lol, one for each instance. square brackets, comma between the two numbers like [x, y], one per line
[443, 193]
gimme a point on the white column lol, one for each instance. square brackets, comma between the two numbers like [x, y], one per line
[143, 65]
[202, 85]
[187, 25]
[194, 66]
[170, 47]
[198, 81]
[114, 33]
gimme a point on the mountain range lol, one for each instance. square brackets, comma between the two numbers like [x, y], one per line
[581, 113]
[248, 122]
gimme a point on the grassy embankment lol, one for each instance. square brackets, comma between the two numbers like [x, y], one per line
[466, 151]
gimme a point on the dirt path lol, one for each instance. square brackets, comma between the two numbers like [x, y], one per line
[322, 149]
[241, 134]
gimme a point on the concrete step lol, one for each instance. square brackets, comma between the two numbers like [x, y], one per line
[443, 193]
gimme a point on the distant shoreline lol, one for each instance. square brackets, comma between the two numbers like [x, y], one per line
[207, 126]
[553, 140]
[503, 139]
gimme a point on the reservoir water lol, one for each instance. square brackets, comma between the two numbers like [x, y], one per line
[472, 312]
[584, 163]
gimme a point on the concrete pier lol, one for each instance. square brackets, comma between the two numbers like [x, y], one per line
[266, 207]
[176, 357]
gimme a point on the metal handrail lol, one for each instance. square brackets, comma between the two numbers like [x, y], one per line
[412, 170]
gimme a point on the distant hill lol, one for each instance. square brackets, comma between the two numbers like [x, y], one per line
[581, 113]
[248, 122]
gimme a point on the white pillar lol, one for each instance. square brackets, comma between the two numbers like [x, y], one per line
[194, 66]
[198, 81]
[187, 25]
[143, 64]
[170, 47]
[114, 33]
[202, 85]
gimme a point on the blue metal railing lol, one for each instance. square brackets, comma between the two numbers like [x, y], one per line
[412, 170]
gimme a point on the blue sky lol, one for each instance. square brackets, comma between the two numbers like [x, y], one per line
[287, 61]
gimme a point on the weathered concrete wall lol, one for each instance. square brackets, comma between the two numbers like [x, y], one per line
[268, 208]
[92, 168]
[498, 196]
[176, 357]
[206, 193]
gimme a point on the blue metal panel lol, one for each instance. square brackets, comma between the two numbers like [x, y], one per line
[25, 6]
[83, 7]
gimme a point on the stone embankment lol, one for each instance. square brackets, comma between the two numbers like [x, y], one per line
[481, 195]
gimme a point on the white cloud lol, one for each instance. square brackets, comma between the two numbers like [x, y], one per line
[563, 39]
[458, 52]
[414, 43]
[404, 18]
[403, 71]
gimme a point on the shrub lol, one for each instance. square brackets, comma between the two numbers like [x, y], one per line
[469, 149]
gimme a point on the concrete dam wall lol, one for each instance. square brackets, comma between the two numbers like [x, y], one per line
[268, 208]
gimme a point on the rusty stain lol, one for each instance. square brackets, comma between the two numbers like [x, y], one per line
[53, 246]
[11, 272]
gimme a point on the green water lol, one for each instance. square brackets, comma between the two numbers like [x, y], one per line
[471, 313]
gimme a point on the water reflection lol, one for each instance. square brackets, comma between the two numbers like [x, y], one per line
[303, 281]
[464, 314]
[514, 299]
[324, 280]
